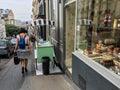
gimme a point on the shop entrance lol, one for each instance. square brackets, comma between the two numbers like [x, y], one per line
[69, 34]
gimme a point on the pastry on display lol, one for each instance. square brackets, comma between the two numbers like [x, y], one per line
[106, 55]
[110, 48]
[100, 47]
[116, 50]
[107, 63]
[97, 50]
[103, 49]
[116, 69]
[86, 52]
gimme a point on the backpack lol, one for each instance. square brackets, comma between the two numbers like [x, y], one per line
[21, 43]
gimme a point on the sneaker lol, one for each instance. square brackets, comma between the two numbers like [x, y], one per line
[26, 70]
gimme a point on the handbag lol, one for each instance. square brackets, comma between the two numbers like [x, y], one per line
[16, 59]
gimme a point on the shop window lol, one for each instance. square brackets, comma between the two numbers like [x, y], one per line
[100, 40]
[109, 10]
[101, 46]
[99, 12]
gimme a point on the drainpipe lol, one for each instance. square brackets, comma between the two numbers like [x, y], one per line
[63, 2]
[57, 21]
[57, 30]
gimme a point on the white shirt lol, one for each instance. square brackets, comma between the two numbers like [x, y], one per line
[26, 38]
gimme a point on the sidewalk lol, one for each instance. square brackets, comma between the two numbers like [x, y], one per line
[48, 82]
[56, 81]
[51, 82]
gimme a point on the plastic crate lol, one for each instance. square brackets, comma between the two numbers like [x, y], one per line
[23, 53]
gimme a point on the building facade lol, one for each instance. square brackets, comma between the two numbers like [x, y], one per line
[86, 41]
[7, 14]
[2, 27]
[79, 26]
[90, 63]
[14, 22]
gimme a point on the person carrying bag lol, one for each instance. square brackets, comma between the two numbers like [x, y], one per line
[23, 49]
[16, 59]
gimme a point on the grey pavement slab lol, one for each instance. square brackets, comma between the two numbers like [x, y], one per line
[47, 82]
[54, 81]
[51, 82]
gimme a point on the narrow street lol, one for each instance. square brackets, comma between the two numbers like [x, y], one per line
[11, 78]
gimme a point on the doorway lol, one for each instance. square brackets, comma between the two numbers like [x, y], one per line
[69, 34]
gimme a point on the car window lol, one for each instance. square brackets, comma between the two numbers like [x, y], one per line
[2, 43]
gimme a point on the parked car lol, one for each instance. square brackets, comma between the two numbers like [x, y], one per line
[6, 48]
[13, 41]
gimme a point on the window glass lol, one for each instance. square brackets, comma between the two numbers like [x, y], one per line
[2, 43]
[98, 31]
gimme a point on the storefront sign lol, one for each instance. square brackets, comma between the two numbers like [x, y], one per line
[42, 22]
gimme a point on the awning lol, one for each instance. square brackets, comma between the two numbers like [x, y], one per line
[42, 22]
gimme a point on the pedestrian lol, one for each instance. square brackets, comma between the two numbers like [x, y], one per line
[22, 44]
[32, 38]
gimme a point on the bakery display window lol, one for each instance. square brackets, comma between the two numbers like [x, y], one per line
[103, 47]
[98, 33]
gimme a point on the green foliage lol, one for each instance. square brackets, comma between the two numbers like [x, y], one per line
[11, 30]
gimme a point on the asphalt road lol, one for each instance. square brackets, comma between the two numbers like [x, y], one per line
[10, 74]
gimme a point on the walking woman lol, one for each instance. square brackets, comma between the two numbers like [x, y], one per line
[22, 46]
